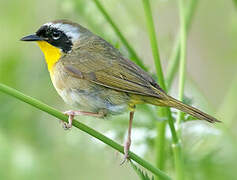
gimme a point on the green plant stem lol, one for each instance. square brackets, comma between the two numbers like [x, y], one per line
[235, 3]
[182, 66]
[178, 159]
[161, 126]
[46, 108]
[164, 111]
[132, 52]
[174, 58]
[182, 62]
[160, 142]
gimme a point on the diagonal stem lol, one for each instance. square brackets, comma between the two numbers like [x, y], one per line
[46, 108]
[132, 52]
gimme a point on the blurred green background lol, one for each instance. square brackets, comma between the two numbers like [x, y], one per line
[34, 147]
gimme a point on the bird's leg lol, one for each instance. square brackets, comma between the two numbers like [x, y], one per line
[128, 141]
[71, 114]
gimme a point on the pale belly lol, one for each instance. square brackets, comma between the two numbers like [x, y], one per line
[93, 101]
[89, 96]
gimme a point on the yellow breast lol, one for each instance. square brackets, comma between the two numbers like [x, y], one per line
[52, 54]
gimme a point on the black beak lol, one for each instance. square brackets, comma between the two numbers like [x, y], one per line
[32, 37]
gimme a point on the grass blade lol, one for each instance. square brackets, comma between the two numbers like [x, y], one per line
[132, 52]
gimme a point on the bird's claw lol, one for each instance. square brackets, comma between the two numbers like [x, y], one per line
[68, 125]
[126, 150]
[125, 158]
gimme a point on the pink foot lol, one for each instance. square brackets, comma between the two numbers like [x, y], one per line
[126, 150]
[71, 115]
[128, 141]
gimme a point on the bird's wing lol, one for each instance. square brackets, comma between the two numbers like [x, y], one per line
[102, 64]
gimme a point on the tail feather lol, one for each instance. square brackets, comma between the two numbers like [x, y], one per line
[171, 102]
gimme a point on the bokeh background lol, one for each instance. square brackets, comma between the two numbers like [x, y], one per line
[33, 144]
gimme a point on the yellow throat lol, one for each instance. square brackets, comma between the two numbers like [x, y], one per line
[52, 54]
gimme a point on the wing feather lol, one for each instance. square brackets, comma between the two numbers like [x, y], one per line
[101, 63]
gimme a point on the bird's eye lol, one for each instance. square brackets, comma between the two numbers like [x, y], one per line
[56, 35]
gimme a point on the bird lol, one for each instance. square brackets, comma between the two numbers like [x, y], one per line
[93, 76]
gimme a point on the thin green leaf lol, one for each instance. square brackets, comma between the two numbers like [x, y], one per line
[142, 174]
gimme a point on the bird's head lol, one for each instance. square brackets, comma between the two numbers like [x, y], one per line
[56, 38]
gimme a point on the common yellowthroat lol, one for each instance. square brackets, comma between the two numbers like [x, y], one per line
[93, 76]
